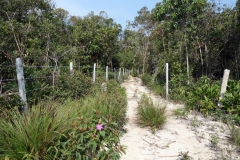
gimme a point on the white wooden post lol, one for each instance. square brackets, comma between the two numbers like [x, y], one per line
[21, 84]
[71, 68]
[223, 86]
[123, 71]
[106, 73]
[94, 73]
[167, 80]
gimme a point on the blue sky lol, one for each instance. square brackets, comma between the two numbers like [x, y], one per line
[120, 10]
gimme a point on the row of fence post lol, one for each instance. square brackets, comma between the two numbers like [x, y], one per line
[122, 72]
[21, 82]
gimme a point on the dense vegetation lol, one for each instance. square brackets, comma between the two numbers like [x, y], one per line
[198, 38]
[69, 128]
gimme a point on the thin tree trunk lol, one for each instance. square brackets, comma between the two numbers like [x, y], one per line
[180, 55]
[200, 50]
[236, 65]
[188, 76]
[47, 49]
[145, 56]
[207, 63]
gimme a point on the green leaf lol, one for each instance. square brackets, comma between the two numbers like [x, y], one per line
[102, 133]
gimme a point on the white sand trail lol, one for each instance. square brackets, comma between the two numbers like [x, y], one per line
[176, 135]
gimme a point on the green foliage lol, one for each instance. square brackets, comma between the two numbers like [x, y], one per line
[181, 112]
[231, 99]
[195, 122]
[99, 35]
[90, 138]
[126, 59]
[204, 96]
[76, 86]
[149, 114]
[214, 140]
[178, 10]
[33, 133]
[9, 97]
[178, 87]
[146, 79]
[234, 134]
[184, 156]
[158, 89]
[48, 130]
[9, 102]
[111, 103]
[42, 35]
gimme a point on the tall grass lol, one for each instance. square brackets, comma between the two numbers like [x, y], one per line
[111, 103]
[150, 114]
[31, 135]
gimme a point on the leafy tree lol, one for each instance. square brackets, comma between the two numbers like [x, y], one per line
[136, 38]
[97, 39]
[180, 15]
[20, 21]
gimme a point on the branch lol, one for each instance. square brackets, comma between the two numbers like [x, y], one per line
[13, 31]
[7, 56]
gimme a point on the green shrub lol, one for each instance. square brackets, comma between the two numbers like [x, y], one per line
[146, 78]
[31, 134]
[203, 96]
[178, 87]
[90, 138]
[111, 103]
[231, 99]
[9, 102]
[181, 112]
[156, 86]
[158, 89]
[8, 85]
[149, 114]
[36, 134]
[76, 86]
[84, 140]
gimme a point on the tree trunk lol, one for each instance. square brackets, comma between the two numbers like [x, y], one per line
[200, 50]
[207, 64]
[188, 76]
[180, 55]
[145, 56]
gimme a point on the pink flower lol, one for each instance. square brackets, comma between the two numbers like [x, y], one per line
[99, 127]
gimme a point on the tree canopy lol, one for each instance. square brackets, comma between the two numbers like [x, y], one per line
[196, 37]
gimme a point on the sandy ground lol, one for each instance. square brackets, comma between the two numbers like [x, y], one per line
[198, 137]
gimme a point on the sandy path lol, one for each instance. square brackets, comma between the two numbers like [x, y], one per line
[192, 135]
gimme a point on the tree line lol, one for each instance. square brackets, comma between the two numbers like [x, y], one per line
[196, 37]
[41, 34]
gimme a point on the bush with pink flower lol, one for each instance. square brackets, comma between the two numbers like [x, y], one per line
[91, 138]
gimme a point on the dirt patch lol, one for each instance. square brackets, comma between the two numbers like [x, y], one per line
[195, 135]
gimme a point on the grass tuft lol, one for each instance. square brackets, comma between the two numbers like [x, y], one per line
[149, 114]
[30, 136]
[234, 134]
[32, 133]
[181, 113]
